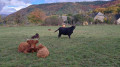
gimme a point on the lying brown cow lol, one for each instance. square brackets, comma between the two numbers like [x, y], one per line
[27, 47]
[42, 51]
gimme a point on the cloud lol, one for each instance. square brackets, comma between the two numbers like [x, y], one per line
[1, 5]
[7, 10]
[10, 6]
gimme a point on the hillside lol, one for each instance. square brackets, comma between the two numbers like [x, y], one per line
[63, 8]
[58, 8]
[111, 3]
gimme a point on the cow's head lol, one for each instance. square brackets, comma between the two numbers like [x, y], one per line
[32, 43]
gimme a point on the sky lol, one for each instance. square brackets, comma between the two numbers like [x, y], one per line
[11, 6]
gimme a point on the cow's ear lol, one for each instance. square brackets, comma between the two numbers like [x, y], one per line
[28, 41]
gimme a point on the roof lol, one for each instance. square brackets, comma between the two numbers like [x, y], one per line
[118, 21]
[100, 14]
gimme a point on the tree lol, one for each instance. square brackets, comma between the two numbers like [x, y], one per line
[53, 20]
[69, 19]
[118, 10]
[0, 19]
[99, 10]
[18, 19]
[97, 21]
[108, 11]
[90, 19]
[69, 15]
[37, 16]
[79, 18]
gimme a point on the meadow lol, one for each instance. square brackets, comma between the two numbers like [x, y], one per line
[89, 46]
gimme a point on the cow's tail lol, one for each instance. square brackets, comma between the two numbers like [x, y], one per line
[57, 30]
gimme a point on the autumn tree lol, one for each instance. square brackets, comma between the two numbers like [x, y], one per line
[109, 10]
[37, 16]
[69, 19]
[18, 19]
[0, 19]
[99, 10]
[118, 10]
[53, 21]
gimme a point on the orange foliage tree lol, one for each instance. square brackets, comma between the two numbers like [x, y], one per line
[37, 16]
[100, 10]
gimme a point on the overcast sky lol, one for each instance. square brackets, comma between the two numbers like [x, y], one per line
[10, 6]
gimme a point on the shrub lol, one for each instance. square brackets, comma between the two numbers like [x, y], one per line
[53, 21]
[85, 23]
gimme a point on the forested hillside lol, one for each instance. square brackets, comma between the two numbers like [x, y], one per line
[21, 16]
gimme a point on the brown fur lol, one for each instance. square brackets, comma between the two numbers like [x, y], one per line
[42, 51]
[49, 29]
[27, 47]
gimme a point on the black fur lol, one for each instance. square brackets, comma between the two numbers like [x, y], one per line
[35, 36]
[65, 31]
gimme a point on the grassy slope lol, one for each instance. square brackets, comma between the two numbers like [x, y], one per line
[90, 46]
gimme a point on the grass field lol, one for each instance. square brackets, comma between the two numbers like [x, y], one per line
[89, 46]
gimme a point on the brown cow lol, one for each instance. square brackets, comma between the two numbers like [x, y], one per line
[42, 51]
[27, 47]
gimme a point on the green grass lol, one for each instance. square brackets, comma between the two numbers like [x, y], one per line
[89, 46]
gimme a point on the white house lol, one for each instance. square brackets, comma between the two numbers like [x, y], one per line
[100, 16]
[118, 21]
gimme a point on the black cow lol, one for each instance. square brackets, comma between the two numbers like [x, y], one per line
[65, 31]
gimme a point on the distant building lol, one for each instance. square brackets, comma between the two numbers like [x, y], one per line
[100, 16]
[64, 18]
[118, 21]
[85, 23]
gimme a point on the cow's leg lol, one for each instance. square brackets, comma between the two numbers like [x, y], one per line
[69, 36]
[59, 35]
[25, 51]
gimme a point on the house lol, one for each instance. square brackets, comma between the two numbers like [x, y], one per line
[64, 18]
[118, 21]
[100, 16]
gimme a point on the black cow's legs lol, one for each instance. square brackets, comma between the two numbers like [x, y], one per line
[69, 36]
[59, 35]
